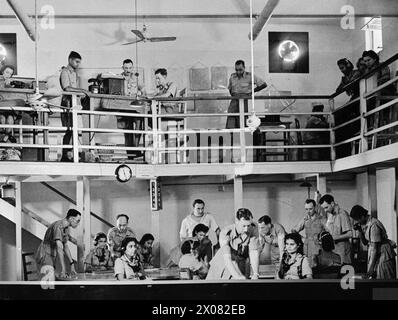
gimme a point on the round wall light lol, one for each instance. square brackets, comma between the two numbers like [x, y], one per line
[289, 51]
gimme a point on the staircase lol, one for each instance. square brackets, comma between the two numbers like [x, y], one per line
[31, 222]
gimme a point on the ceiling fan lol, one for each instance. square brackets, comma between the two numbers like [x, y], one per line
[142, 36]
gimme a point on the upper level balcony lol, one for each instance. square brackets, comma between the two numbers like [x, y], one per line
[186, 136]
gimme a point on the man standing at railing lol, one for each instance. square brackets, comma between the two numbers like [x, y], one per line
[54, 247]
[240, 83]
[132, 88]
[69, 82]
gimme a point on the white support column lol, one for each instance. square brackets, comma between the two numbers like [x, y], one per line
[75, 135]
[238, 193]
[155, 230]
[80, 228]
[86, 218]
[18, 231]
[386, 194]
[372, 192]
[321, 184]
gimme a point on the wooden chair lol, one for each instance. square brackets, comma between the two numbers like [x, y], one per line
[30, 271]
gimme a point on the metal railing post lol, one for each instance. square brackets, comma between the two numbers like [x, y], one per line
[75, 135]
[362, 110]
[155, 137]
[332, 131]
[242, 130]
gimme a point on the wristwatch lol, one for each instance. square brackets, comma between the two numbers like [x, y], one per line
[72, 262]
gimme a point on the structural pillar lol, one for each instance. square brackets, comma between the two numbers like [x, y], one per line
[386, 193]
[18, 231]
[238, 192]
[86, 216]
[80, 228]
[321, 184]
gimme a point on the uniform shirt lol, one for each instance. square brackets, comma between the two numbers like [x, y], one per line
[132, 87]
[47, 251]
[243, 85]
[169, 88]
[189, 223]
[68, 77]
[338, 223]
[230, 236]
[115, 237]
[299, 261]
[271, 239]
[98, 258]
[125, 267]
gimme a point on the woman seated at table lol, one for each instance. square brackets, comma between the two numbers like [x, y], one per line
[129, 265]
[294, 264]
[190, 260]
[326, 264]
[99, 258]
[205, 252]
[146, 243]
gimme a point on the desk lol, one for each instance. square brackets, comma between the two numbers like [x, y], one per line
[267, 271]
[155, 274]
[262, 140]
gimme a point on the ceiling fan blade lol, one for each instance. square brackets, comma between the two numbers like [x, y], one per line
[159, 39]
[132, 42]
[138, 33]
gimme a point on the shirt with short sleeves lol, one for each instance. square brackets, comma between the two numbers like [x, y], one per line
[123, 266]
[190, 261]
[230, 236]
[115, 237]
[68, 77]
[339, 222]
[299, 262]
[243, 85]
[189, 223]
[375, 231]
[132, 87]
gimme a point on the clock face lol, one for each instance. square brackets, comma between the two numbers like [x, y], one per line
[123, 173]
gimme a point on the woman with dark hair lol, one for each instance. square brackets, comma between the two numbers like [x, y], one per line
[99, 258]
[146, 243]
[326, 261]
[372, 61]
[361, 66]
[294, 264]
[349, 74]
[381, 253]
[239, 250]
[190, 260]
[129, 265]
[205, 246]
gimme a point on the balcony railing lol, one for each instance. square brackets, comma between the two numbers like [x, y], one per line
[365, 122]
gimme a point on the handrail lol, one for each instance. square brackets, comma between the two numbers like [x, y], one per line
[74, 202]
